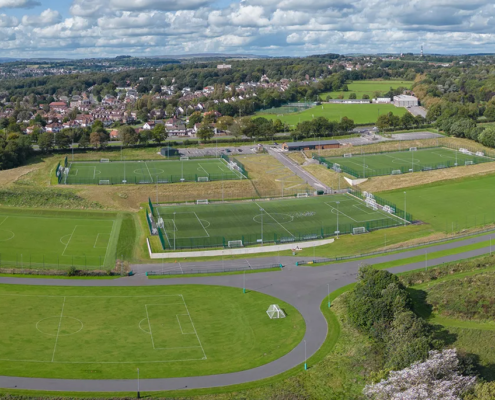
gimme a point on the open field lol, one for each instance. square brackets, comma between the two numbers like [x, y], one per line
[451, 206]
[43, 239]
[173, 331]
[359, 113]
[279, 221]
[367, 87]
[369, 165]
[150, 172]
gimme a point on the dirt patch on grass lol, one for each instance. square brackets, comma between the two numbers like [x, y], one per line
[327, 176]
[392, 182]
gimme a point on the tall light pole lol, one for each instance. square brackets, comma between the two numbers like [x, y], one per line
[328, 298]
[174, 230]
[138, 392]
[405, 209]
[338, 202]
[261, 225]
[305, 357]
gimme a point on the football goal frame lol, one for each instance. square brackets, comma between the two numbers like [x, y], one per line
[203, 179]
[104, 160]
[469, 163]
[235, 243]
[202, 201]
[275, 312]
[184, 158]
[300, 195]
[104, 182]
[396, 172]
[359, 230]
[413, 149]
[348, 155]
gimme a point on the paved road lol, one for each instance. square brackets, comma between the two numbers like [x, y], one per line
[302, 173]
[303, 287]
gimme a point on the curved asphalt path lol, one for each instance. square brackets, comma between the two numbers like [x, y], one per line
[303, 287]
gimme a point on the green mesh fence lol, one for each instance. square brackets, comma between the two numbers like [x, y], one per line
[383, 202]
[151, 206]
[242, 169]
[149, 222]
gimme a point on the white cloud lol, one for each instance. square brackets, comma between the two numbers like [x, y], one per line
[19, 3]
[8, 22]
[163, 5]
[47, 17]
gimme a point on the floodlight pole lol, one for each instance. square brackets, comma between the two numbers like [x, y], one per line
[138, 392]
[125, 179]
[328, 299]
[305, 358]
[426, 260]
[490, 245]
[261, 226]
[174, 230]
[244, 282]
[338, 202]
[405, 209]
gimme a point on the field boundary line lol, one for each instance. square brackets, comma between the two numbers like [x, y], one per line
[184, 333]
[194, 328]
[72, 234]
[108, 244]
[275, 220]
[6, 218]
[58, 330]
[149, 325]
[341, 212]
[92, 297]
[201, 224]
[200, 166]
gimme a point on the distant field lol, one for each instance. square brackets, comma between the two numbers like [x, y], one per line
[276, 221]
[359, 113]
[451, 205]
[30, 239]
[368, 165]
[367, 87]
[118, 172]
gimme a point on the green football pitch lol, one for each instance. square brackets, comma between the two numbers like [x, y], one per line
[367, 87]
[451, 206]
[169, 331]
[35, 239]
[119, 172]
[368, 165]
[256, 222]
[359, 113]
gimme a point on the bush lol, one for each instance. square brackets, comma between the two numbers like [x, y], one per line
[72, 271]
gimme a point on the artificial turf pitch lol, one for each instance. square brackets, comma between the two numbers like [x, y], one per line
[119, 172]
[103, 333]
[256, 222]
[43, 239]
[368, 165]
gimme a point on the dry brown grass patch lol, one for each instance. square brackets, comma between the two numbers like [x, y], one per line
[327, 176]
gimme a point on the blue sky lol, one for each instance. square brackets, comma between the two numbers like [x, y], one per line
[96, 28]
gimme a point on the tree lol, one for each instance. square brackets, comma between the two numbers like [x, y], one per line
[62, 140]
[461, 127]
[366, 96]
[345, 88]
[407, 120]
[97, 125]
[346, 124]
[490, 112]
[482, 391]
[487, 137]
[383, 122]
[159, 133]
[437, 378]
[195, 118]
[84, 141]
[352, 96]
[128, 135]
[278, 126]
[144, 137]
[45, 141]
[99, 138]
[205, 132]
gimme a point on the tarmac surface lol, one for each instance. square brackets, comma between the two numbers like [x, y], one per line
[303, 287]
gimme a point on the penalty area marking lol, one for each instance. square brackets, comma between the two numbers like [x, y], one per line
[9, 232]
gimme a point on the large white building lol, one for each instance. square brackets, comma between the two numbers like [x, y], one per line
[404, 100]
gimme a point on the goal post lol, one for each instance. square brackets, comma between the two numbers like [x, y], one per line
[235, 243]
[203, 179]
[469, 163]
[299, 195]
[104, 182]
[359, 230]
[275, 312]
[396, 172]
[104, 160]
[349, 155]
[204, 201]
[185, 158]
[413, 149]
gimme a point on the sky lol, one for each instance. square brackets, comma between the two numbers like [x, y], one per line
[107, 28]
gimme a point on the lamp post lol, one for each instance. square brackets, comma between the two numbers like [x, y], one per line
[338, 202]
[138, 391]
[261, 225]
[328, 298]
[405, 209]
[305, 357]
[174, 230]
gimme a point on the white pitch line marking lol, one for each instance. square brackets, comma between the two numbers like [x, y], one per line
[58, 331]
[201, 224]
[267, 213]
[72, 234]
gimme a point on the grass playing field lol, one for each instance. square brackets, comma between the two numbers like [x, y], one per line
[280, 221]
[44, 239]
[367, 87]
[359, 113]
[451, 206]
[368, 165]
[172, 331]
[118, 172]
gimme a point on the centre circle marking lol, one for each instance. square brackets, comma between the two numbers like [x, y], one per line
[152, 171]
[274, 218]
[6, 235]
[57, 318]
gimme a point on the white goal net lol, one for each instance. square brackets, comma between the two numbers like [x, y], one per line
[274, 312]
[396, 172]
[104, 160]
[359, 230]
[469, 163]
[203, 179]
[388, 209]
[347, 155]
[480, 154]
[413, 149]
[104, 182]
[235, 243]
[205, 201]
[302, 195]
[184, 158]
[336, 167]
